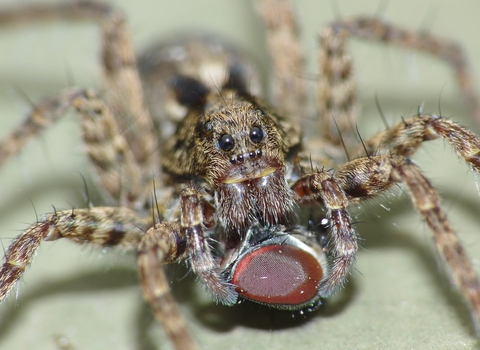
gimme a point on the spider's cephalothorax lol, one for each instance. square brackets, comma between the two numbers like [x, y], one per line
[232, 177]
[235, 145]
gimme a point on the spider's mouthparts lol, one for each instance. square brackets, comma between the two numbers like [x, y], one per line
[239, 177]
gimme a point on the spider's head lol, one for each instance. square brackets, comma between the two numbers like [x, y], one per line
[240, 151]
[237, 141]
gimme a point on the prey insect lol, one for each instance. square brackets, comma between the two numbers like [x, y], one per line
[233, 174]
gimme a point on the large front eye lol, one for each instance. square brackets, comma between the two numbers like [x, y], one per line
[226, 142]
[256, 134]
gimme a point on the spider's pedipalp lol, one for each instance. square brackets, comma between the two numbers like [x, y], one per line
[201, 258]
[328, 190]
[364, 178]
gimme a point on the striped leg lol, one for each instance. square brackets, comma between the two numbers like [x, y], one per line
[100, 226]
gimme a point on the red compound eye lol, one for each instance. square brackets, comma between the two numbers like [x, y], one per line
[278, 274]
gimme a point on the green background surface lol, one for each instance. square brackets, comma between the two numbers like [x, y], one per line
[398, 297]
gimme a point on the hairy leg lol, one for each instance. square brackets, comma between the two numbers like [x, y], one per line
[337, 105]
[122, 93]
[287, 82]
[162, 244]
[364, 178]
[100, 226]
[405, 138]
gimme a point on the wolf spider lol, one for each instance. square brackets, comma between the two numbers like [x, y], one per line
[375, 166]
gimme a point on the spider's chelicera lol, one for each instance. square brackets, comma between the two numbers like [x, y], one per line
[232, 173]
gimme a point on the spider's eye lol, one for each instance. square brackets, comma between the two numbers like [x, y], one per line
[226, 142]
[256, 134]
